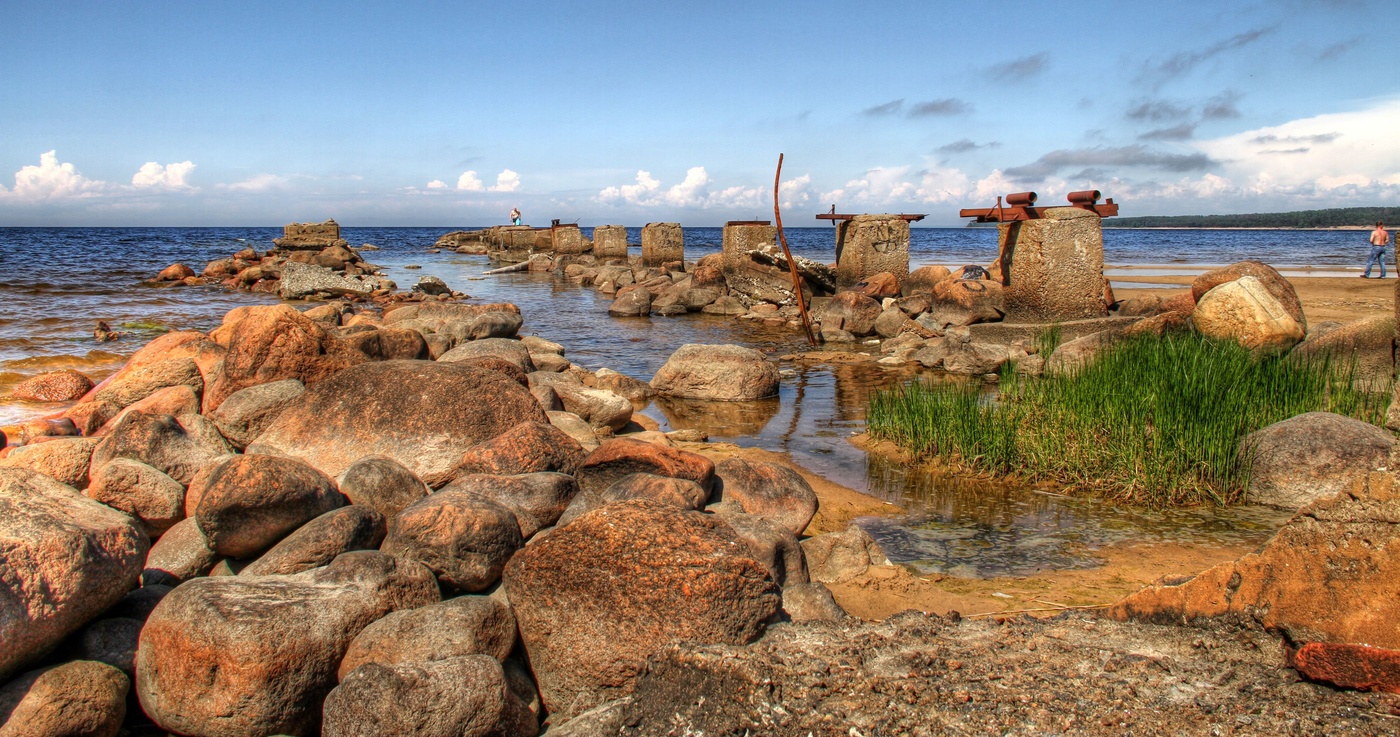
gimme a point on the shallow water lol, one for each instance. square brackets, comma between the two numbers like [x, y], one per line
[58, 282]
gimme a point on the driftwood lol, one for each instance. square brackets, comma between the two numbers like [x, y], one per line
[522, 266]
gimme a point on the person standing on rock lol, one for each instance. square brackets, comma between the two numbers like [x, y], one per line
[1379, 239]
[515, 218]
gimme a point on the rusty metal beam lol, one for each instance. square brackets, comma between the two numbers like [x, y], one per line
[836, 216]
[748, 222]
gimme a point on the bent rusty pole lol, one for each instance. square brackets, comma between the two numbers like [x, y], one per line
[792, 265]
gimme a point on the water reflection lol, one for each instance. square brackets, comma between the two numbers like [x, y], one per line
[719, 418]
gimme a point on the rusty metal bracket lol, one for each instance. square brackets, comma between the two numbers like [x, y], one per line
[1021, 206]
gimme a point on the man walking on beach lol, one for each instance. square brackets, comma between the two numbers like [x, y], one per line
[1379, 238]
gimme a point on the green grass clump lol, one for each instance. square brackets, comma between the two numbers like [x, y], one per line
[1153, 420]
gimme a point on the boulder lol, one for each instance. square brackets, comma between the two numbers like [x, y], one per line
[1359, 667]
[631, 302]
[891, 322]
[382, 484]
[850, 311]
[176, 447]
[249, 502]
[246, 413]
[464, 539]
[525, 448]
[181, 554]
[79, 698]
[772, 545]
[465, 696]
[1368, 344]
[683, 493]
[641, 575]
[1273, 282]
[66, 560]
[111, 640]
[811, 602]
[273, 343]
[65, 460]
[300, 280]
[422, 414]
[135, 383]
[574, 426]
[156, 500]
[623, 457]
[1244, 311]
[172, 400]
[958, 302]
[878, 286]
[1144, 306]
[600, 407]
[1311, 456]
[536, 499]
[385, 344]
[257, 655]
[725, 305]
[466, 625]
[432, 286]
[922, 279]
[1328, 575]
[509, 350]
[55, 386]
[635, 390]
[720, 372]
[319, 541]
[1073, 355]
[767, 490]
[495, 325]
[839, 556]
[975, 359]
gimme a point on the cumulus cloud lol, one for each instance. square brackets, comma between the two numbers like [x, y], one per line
[258, 183]
[437, 184]
[175, 176]
[506, 181]
[696, 191]
[470, 182]
[1022, 68]
[52, 180]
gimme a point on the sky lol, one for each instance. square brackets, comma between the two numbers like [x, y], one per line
[451, 113]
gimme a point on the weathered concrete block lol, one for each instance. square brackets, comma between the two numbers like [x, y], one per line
[662, 242]
[307, 236]
[1052, 268]
[869, 244]
[569, 239]
[740, 238]
[610, 241]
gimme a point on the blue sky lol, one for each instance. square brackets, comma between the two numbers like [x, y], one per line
[428, 113]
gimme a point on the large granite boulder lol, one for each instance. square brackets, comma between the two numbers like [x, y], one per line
[134, 383]
[54, 386]
[536, 499]
[922, 279]
[155, 499]
[513, 351]
[1245, 311]
[382, 484]
[624, 456]
[1311, 456]
[234, 656]
[526, 448]
[320, 541]
[466, 625]
[66, 560]
[1274, 283]
[1327, 576]
[66, 460]
[177, 447]
[466, 696]
[181, 554]
[850, 311]
[722, 372]
[464, 539]
[247, 503]
[78, 698]
[767, 490]
[247, 412]
[600, 594]
[273, 343]
[423, 414]
[958, 302]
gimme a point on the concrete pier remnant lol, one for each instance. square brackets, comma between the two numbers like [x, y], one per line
[610, 241]
[1052, 266]
[569, 239]
[307, 236]
[662, 242]
[740, 237]
[869, 244]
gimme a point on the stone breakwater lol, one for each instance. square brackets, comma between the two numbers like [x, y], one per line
[411, 520]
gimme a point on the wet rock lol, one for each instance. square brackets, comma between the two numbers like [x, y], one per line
[65, 461]
[510, 350]
[76, 698]
[67, 559]
[181, 554]
[274, 343]
[525, 448]
[133, 384]
[464, 539]
[382, 484]
[1246, 312]
[599, 407]
[719, 372]
[246, 413]
[768, 490]
[622, 457]
[1328, 575]
[536, 499]
[1311, 456]
[850, 311]
[772, 545]
[156, 500]
[631, 302]
[643, 575]
[458, 697]
[1273, 282]
[922, 279]
[1350, 666]
[319, 541]
[111, 641]
[422, 414]
[839, 556]
[249, 502]
[257, 655]
[175, 272]
[55, 386]
[466, 625]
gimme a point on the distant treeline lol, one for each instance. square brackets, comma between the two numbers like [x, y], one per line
[1333, 218]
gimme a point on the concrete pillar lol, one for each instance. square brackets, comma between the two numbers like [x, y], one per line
[869, 244]
[740, 238]
[662, 242]
[610, 241]
[569, 239]
[1052, 267]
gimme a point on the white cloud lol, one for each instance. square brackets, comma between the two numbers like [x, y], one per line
[469, 182]
[437, 184]
[507, 181]
[695, 191]
[258, 183]
[169, 177]
[52, 180]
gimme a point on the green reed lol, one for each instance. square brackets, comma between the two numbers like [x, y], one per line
[1153, 420]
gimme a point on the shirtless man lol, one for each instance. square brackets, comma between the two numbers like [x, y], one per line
[1379, 239]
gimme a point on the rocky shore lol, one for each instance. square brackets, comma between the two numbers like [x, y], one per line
[398, 516]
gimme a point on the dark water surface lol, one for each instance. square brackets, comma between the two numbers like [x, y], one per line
[56, 282]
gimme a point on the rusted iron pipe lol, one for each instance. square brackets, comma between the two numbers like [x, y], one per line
[1020, 199]
[1085, 197]
[792, 265]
